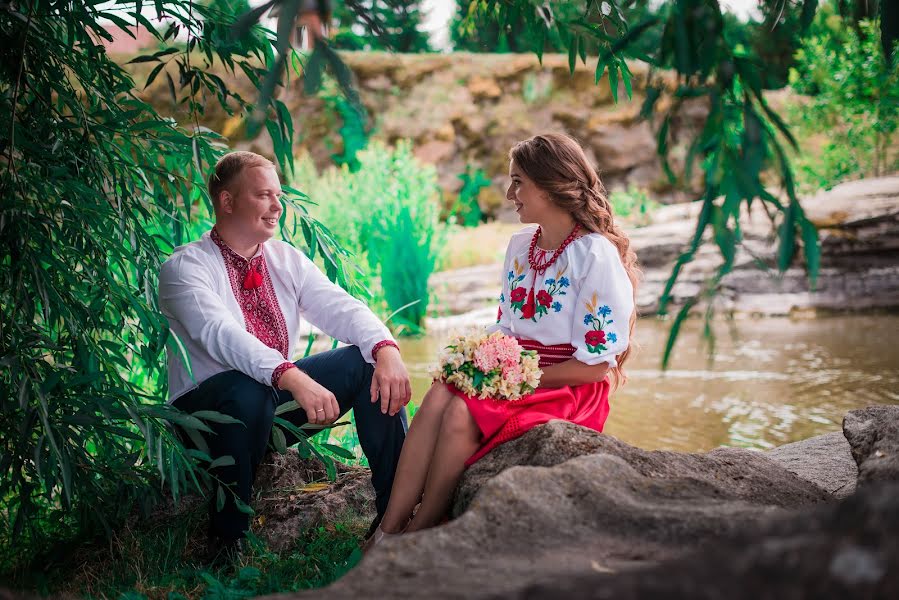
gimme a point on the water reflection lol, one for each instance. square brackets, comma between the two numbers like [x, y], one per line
[773, 381]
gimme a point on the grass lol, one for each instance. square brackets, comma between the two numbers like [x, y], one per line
[159, 561]
[482, 245]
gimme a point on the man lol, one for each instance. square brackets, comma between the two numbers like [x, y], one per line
[234, 299]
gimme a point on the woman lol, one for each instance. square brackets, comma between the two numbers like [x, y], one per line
[568, 292]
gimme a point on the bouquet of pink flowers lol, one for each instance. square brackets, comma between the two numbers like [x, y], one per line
[489, 366]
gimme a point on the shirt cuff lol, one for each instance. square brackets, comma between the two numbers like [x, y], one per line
[279, 371]
[381, 344]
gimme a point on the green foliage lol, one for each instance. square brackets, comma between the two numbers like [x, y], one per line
[163, 560]
[467, 210]
[852, 103]
[96, 189]
[479, 26]
[387, 214]
[633, 204]
[394, 25]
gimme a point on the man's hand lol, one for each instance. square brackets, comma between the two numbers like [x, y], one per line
[391, 380]
[319, 403]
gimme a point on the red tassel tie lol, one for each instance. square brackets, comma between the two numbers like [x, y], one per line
[253, 279]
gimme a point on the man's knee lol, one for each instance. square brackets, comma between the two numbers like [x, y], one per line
[240, 396]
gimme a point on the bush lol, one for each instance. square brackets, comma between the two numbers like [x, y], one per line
[467, 210]
[852, 104]
[633, 204]
[387, 213]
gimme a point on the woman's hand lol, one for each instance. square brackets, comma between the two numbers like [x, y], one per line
[391, 381]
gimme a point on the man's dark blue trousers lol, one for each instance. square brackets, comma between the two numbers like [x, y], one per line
[342, 371]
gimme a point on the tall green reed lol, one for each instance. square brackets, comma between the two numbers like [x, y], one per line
[386, 212]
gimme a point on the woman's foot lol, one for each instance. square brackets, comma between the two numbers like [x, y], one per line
[376, 538]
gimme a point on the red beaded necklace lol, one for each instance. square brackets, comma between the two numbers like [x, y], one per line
[541, 268]
[528, 310]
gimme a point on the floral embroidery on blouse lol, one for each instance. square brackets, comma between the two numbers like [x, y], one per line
[546, 299]
[259, 305]
[597, 318]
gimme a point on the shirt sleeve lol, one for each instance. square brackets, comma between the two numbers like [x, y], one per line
[504, 312]
[187, 296]
[330, 308]
[604, 306]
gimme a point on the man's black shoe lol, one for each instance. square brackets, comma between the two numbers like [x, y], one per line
[221, 552]
[373, 527]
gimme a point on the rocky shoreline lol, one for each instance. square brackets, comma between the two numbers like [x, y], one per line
[566, 511]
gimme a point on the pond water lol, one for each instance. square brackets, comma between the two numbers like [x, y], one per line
[772, 381]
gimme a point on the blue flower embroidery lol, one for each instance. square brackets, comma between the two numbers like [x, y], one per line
[549, 281]
[605, 311]
[511, 275]
[557, 306]
[611, 337]
[563, 281]
[502, 297]
[588, 319]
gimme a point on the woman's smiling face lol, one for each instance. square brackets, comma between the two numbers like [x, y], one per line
[531, 203]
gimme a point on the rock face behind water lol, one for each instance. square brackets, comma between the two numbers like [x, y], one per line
[566, 512]
[858, 224]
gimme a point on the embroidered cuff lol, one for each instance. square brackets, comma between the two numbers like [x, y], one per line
[381, 344]
[279, 371]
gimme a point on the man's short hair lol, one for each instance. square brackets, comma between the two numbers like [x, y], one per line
[229, 167]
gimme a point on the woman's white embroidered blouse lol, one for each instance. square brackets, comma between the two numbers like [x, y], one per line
[584, 299]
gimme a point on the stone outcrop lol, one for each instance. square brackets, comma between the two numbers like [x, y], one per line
[873, 433]
[858, 225]
[825, 460]
[469, 109]
[566, 512]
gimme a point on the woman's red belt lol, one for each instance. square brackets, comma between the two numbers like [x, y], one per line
[549, 355]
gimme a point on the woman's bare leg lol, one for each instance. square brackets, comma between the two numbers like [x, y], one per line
[459, 438]
[415, 459]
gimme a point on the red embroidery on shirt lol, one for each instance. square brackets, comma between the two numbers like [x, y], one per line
[381, 344]
[259, 305]
[277, 373]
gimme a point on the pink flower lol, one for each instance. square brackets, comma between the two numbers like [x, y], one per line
[485, 358]
[513, 375]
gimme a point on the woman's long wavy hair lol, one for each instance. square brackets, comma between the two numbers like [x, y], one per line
[557, 165]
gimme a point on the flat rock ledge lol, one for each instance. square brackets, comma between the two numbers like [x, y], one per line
[566, 512]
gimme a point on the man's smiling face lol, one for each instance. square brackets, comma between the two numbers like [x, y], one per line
[254, 203]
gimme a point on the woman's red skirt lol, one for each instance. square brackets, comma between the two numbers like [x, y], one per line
[503, 420]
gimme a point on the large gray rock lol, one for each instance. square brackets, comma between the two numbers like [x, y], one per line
[825, 460]
[873, 434]
[850, 550]
[563, 500]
